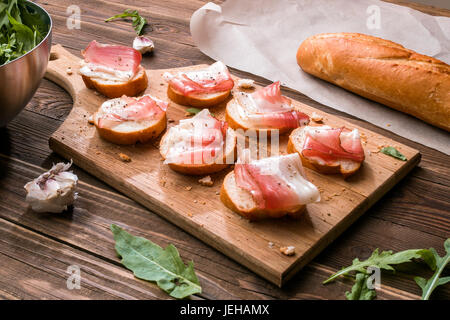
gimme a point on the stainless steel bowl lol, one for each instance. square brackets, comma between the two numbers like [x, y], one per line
[20, 78]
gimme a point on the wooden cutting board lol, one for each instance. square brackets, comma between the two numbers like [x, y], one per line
[198, 209]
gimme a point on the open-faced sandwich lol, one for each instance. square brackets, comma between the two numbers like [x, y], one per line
[264, 109]
[199, 145]
[328, 150]
[268, 188]
[200, 88]
[113, 70]
[128, 120]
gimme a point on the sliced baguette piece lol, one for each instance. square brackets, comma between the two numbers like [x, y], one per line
[344, 167]
[229, 155]
[241, 201]
[130, 132]
[203, 100]
[235, 120]
[116, 89]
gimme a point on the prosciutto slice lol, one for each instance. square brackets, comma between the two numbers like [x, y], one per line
[268, 108]
[276, 183]
[216, 78]
[332, 144]
[196, 141]
[131, 109]
[115, 57]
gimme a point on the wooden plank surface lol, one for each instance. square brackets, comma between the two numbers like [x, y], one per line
[199, 210]
[414, 214]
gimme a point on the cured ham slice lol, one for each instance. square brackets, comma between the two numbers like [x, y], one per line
[131, 109]
[275, 183]
[197, 140]
[120, 58]
[268, 108]
[332, 144]
[216, 78]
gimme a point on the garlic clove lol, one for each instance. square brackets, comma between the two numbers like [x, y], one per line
[52, 191]
[143, 44]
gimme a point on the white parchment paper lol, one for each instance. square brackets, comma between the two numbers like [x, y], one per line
[262, 37]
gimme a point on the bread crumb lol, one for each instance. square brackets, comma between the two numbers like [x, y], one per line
[217, 193]
[206, 181]
[316, 117]
[190, 215]
[188, 114]
[69, 71]
[246, 83]
[203, 202]
[188, 188]
[271, 245]
[98, 152]
[388, 125]
[195, 201]
[288, 251]
[91, 119]
[124, 157]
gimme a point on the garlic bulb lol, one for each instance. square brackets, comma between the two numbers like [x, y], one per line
[143, 44]
[52, 191]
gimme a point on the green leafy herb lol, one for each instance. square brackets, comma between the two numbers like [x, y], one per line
[193, 110]
[391, 151]
[21, 29]
[138, 21]
[385, 259]
[429, 285]
[360, 291]
[148, 261]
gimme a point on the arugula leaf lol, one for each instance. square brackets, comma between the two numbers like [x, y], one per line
[138, 21]
[391, 151]
[385, 259]
[21, 29]
[360, 291]
[429, 285]
[193, 110]
[148, 261]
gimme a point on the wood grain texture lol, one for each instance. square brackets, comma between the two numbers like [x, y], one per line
[414, 214]
[199, 211]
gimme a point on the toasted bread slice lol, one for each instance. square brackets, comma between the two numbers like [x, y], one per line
[241, 201]
[116, 89]
[344, 167]
[203, 100]
[130, 132]
[235, 120]
[229, 155]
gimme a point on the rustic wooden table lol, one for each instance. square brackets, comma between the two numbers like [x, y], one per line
[36, 249]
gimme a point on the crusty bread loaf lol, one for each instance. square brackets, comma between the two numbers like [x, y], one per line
[345, 167]
[116, 89]
[382, 71]
[203, 100]
[207, 168]
[241, 201]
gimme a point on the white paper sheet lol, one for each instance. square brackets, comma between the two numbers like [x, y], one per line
[262, 37]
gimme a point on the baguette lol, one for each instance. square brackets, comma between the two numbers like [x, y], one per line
[346, 167]
[241, 201]
[382, 71]
[128, 131]
[116, 89]
[203, 168]
[202, 100]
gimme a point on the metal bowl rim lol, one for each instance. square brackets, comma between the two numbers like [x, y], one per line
[43, 40]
